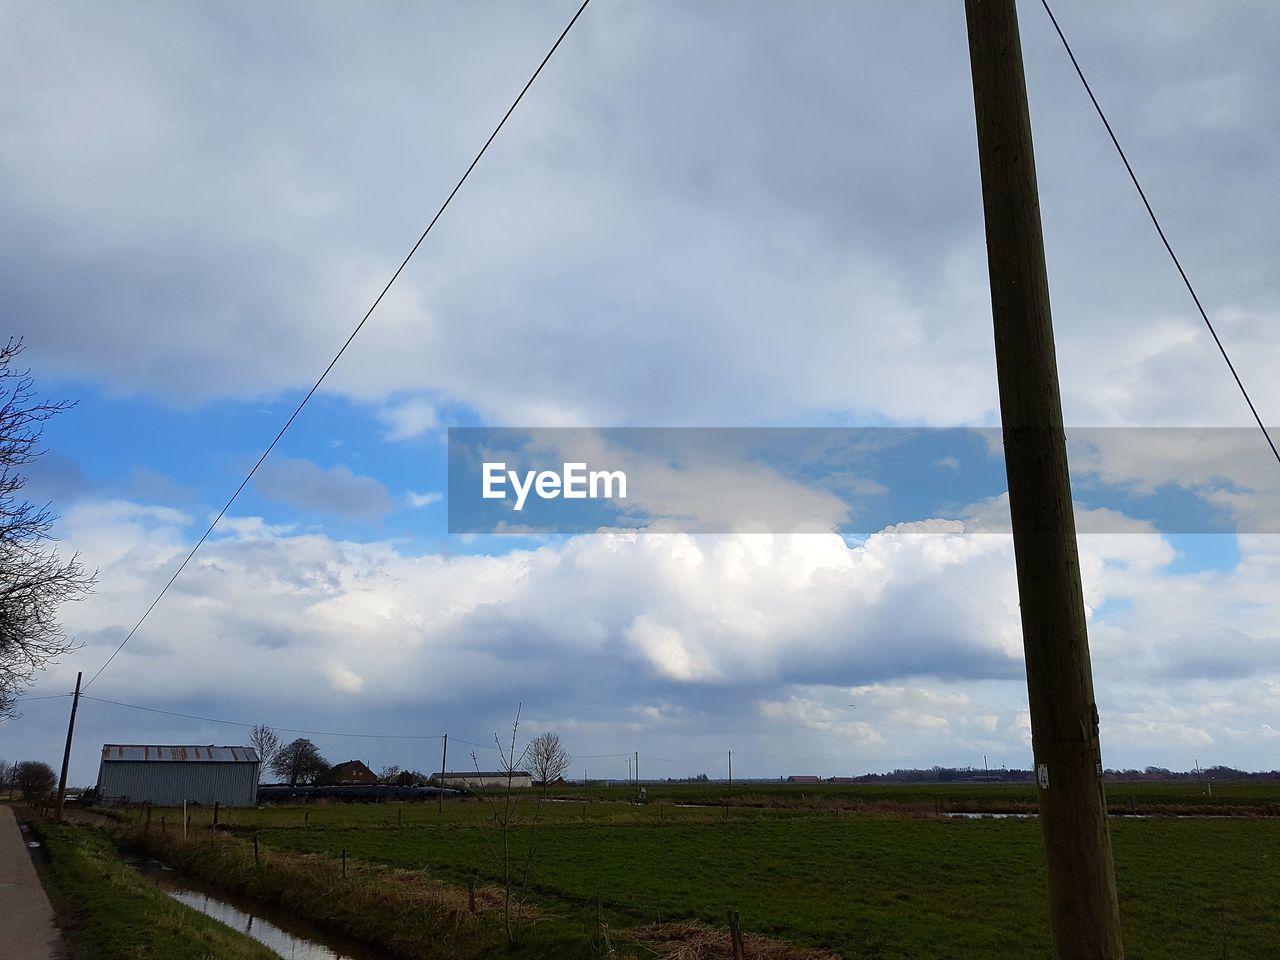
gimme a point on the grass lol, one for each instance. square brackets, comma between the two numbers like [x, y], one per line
[107, 912]
[1147, 797]
[862, 885]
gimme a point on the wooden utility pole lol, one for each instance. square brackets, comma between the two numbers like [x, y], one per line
[1064, 717]
[731, 768]
[444, 756]
[66, 751]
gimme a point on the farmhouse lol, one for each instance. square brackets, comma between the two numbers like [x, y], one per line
[472, 780]
[352, 773]
[166, 774]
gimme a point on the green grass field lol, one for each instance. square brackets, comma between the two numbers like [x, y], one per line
[819, 872]
[1149, 797]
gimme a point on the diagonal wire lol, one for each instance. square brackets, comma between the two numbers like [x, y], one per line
[338, 356]
[1159, 230]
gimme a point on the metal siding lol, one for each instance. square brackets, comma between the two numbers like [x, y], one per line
[167, 784]
[177, 753]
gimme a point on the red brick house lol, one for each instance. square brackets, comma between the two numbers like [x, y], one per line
[353, 773]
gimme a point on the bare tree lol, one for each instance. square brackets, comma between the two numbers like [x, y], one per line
[34, 579]
[548, 759]
[6, 776]
[267, 743]
[299, 760]
[504, 804]
[36, 780]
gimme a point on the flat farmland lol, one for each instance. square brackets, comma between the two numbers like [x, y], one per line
[828, 870]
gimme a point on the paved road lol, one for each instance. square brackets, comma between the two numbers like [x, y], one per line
[25, 915]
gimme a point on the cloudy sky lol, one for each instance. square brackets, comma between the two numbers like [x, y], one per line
[715, 214]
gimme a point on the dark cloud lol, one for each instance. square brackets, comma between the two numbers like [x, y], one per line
[774, 208]
[335, 490]
[54, 477]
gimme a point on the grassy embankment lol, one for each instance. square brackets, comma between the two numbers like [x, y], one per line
[408, 912]
[107, 912]
[861, 885]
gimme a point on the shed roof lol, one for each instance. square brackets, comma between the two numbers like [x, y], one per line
[177, 753]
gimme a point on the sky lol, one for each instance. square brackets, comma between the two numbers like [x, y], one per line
[702, 215]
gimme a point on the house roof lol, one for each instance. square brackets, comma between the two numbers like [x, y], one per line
[350, 771]
[173, 753]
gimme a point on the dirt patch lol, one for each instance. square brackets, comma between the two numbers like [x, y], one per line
[691, 940]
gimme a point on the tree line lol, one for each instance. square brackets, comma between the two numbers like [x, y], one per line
[301, 762]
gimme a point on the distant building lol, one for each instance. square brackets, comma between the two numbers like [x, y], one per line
[471, 780]
[166, 775]
[804, 779]
[350, 774]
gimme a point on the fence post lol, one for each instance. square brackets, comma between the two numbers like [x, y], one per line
[215, 812]
[186, 820]
[344, 864]
[735, 935]
[256, 858]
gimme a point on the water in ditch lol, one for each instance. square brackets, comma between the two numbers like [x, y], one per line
[279, 931]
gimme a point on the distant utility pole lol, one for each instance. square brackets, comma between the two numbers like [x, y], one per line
[66, 752]
[1084, 913]
[637, 768]
[731, 768]
[444, 759]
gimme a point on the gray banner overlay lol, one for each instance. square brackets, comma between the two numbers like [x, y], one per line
[851, 480]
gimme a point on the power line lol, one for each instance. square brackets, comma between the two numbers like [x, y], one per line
[1160, 231]
[32, 699]
[343, 349]
[470, 743]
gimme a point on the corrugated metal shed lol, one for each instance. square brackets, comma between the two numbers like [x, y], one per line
[166, 774]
